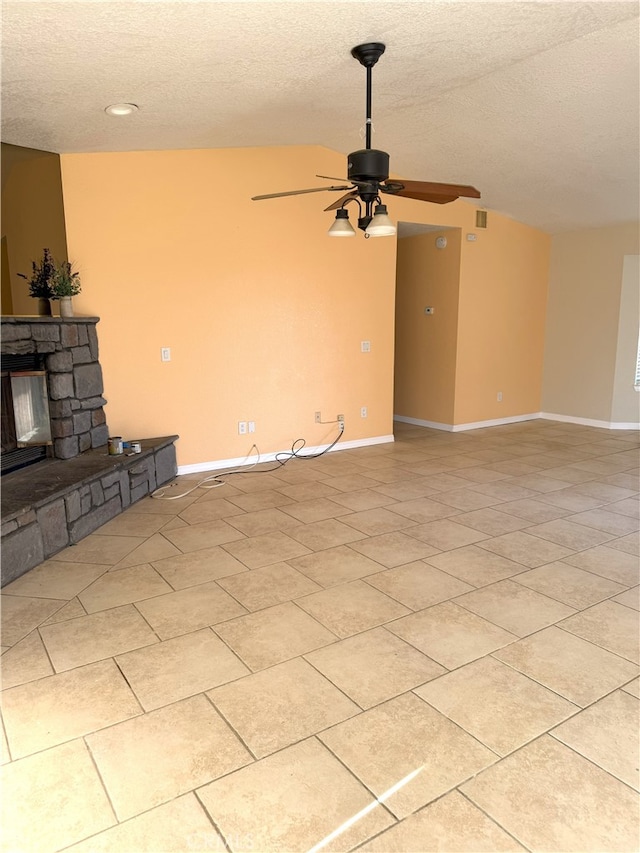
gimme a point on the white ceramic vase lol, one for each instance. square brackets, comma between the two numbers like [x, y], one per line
[66, 306]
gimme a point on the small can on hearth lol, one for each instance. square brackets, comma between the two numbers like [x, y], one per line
[136, 447]
[115, 445]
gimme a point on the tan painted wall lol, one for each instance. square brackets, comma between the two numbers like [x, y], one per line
[6, 301]
[503, 295]
[425, 350]
[32, 219]
[585, 285]
[625, 407]
[263, 313]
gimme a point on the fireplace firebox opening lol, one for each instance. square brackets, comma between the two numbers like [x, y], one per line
[26, 424]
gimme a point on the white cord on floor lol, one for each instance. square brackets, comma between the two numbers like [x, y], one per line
[216, 482]
[214, 479]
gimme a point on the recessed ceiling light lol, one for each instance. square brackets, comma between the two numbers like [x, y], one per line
[121, 109]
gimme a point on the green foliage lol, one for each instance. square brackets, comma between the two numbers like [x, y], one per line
[65, 281]
[41, 279]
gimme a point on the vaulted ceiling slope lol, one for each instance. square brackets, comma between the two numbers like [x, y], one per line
[535, 103]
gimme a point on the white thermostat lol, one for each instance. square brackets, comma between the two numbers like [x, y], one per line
[441, 242]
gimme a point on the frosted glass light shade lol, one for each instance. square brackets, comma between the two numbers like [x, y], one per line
[341, 227]
[381, 225]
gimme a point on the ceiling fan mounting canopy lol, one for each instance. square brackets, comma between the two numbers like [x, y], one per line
[368, 168]
[368, 54]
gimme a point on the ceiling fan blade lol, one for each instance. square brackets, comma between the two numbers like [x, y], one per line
[432, 197]
[351, 180]
[412, 189]
[329, 178]
[342, 200]
[299, 192]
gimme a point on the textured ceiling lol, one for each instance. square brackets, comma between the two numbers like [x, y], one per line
[535, 103]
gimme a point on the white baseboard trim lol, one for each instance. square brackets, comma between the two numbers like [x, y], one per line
[569, 419]
[418, 422]
[463, 427]
[243, 461]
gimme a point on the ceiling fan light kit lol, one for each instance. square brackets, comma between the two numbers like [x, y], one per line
[368, 176]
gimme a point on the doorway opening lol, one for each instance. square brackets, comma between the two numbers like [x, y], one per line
[426, 324]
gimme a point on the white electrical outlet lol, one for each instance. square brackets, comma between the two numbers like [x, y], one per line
[363, 412]
[242, 427]
[165, 354]
[252, 426]
[365, 346]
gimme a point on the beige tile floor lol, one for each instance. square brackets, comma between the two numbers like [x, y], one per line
[419, 646]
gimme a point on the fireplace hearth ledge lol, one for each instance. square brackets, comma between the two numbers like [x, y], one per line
[54, 504]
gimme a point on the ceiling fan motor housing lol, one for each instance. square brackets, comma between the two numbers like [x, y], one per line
[368, 164]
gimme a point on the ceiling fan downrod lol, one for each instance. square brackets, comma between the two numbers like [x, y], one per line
[367, 55]
[368, 164]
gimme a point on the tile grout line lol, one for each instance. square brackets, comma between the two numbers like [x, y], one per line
[494, 820]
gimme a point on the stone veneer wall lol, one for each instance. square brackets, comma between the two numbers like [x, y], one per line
[70, 350]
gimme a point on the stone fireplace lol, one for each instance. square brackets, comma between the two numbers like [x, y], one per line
[76, 486]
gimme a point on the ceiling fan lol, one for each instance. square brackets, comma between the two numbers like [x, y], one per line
[368, 176]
